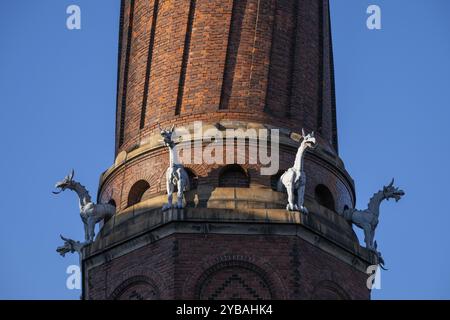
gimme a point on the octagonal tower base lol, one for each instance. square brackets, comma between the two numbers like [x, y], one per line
[214, 253]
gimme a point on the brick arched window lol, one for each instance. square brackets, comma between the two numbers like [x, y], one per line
[136, 192]
[324, 197]
[112, 202]
[136, 288]
[328, 290]
[234, 176]
[193, 179]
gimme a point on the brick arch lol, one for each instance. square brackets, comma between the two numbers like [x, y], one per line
[138, 288]
[108, 195]
[329, 290]
[136, 192]
[112, 202]
[193, 178]
[324, 197]
[234, 175]
[129, 176]
[162, 181]
[240, 277]
[143, 276]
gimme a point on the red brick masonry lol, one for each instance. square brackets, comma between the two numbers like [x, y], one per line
[263, 62]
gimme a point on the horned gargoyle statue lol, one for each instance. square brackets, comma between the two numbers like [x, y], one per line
[176, 175]
[70, 246]
[368, 219]
[90, 213]
[294, 179]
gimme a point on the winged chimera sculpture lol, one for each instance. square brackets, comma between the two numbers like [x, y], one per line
[368, 219]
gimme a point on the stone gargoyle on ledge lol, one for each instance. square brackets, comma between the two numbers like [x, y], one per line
[176, 176]
[368, 219]
[90, 214]
[294, 179]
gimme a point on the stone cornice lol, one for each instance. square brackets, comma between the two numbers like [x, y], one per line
[128, 232]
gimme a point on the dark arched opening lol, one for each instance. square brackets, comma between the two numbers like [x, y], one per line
[324, 197]
[193, 179]
[136, 192]
[234, 176]
[112, 202]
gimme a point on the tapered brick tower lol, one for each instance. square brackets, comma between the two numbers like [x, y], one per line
[231, 64]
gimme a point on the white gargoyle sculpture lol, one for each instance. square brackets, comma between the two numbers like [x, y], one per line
[294, 179]
[368, 219]
[176, 176]
[90, 213]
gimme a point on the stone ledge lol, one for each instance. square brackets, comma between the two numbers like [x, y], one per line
[358, 258]
[323, 228]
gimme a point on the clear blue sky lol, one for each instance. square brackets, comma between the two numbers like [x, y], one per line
[57, 96]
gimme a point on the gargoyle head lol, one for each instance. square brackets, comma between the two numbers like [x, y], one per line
[309, 141]
[67, 182]
[392, 192]
[167, 136]
[70, 246]
[67, 247]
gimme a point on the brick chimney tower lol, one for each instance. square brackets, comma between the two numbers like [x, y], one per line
[229, 64]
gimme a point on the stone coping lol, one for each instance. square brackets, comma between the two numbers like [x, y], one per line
[141, 225]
